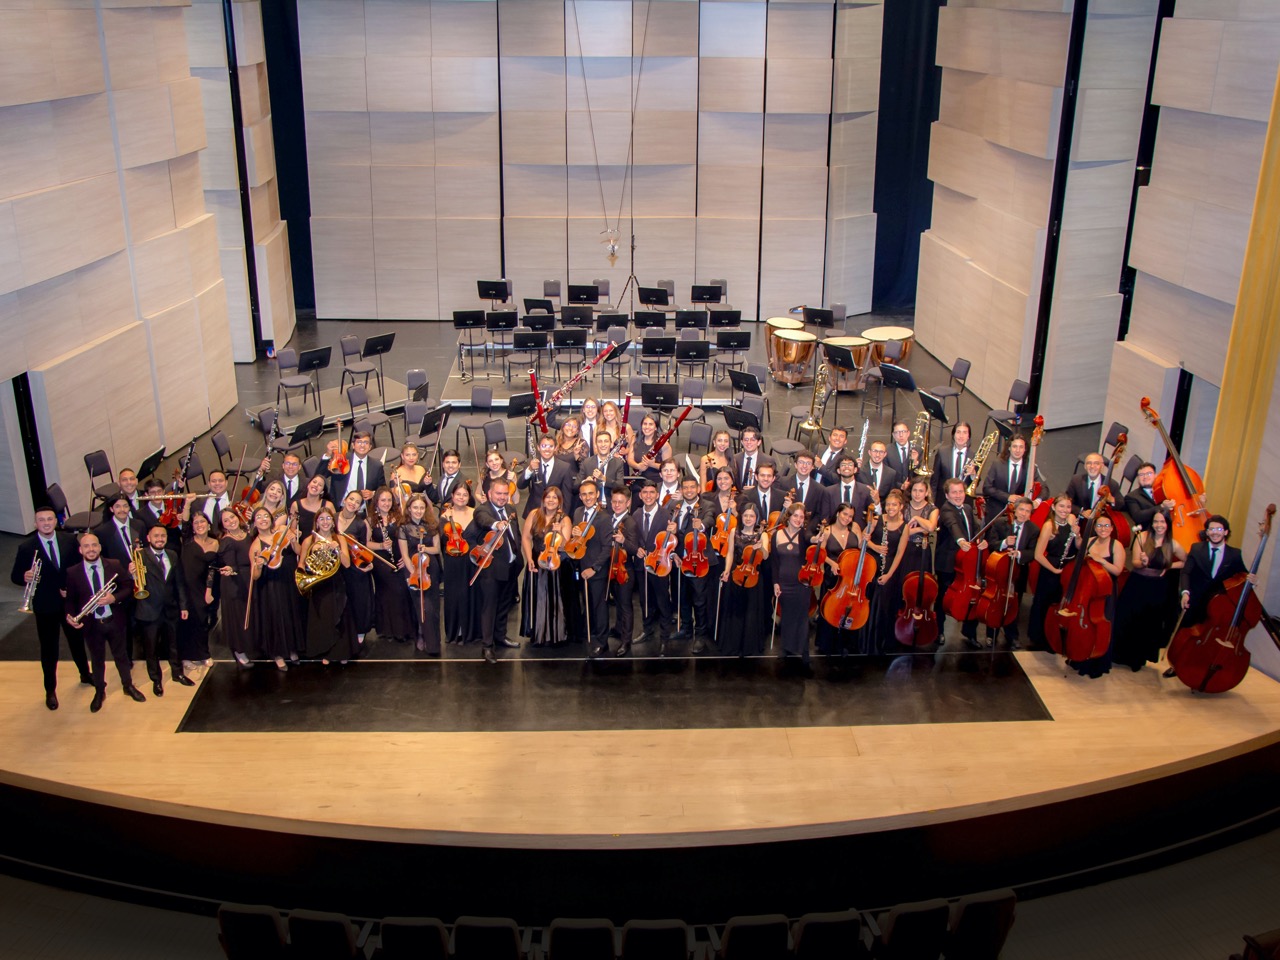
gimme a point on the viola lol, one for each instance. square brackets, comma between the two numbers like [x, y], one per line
[659, 558]
[695, 562]
[997, 605]
[846, 606]
[1078, 627]
[455, 545]
[815, 561]
[1179, 483]
[917, 622]
[618, 566]
[747, 572]
[579, 535]
[726, 523]
[549, 557]
[1211, 657]
[482, 553]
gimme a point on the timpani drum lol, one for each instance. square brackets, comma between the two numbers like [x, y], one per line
[860, 347]
[879, 336]
[793, 357]
[775, 326]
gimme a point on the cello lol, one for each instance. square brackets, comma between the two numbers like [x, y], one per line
[846, 605]
[996, 607]
[1179, 483]
[1078, 628]
[1211, 657]
[966, 589]
[917, 622]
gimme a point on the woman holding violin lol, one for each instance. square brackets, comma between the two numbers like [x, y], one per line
[330, 634]
[496, 468]
[409, 476]
[721, 505]
[419, 543]
[1104, 549]
[233, 571]
[718, 457]
[353, 530]
[841, 533]
[744, 609]
[786, 557]
[546, 532]
[1148, 604]
[392, 617]
[275, 607]
[459, 534]
[888, 541]
[1056, 546]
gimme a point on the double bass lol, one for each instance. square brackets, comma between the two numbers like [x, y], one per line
[1179, 483]
[997, 607]
[966, 589]
[1078, 628]
[917, 622]
[1211, 657]
[846, 605]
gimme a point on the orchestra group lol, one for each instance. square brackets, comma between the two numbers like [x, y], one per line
[864, 550]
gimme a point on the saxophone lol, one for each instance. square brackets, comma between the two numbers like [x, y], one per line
[979, 460]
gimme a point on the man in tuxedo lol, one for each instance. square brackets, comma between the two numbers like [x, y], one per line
[605, 476]
[877, 474]
[1209, 564]
[625, 539]
[547, 471]
[215, 501]
[104, 626]
[687, 513]
[1140, 503]
[848, 490]
[451, 465]
[593, 568]
[1083, 487]
[295, 484]
[749, 459]
[127, 479]
[57, 553]
[650, 520]
[1017, 536]
[827, 460]
[669, 484]
[157, 614]
[148, 513]
[117, 533]
[901, 454]
[953, 461]
[498, 581]
[766, 494]
[809, 491]
[365, 475]
[1007, 479]
[956, 530]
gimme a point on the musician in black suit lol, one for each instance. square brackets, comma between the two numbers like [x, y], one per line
[117, 533]
[547, 471]
[624, 538]
[148, 514]
[1083, 487]
[1209, 564]
[690, 517]
[957, 528]
[290, 477]
[747, 461]
[451, 475]
[901, 453]
[498, 581]
[1007, 478]
[104, 626]
[593, 568]
[955, 460]
[214, 501]
[365, 474]
[650, 520]
[847, 489]
[157, 614]
[766, 494]
[127, 479]
[877, 474]
[809, 491]
[1140, 502]
[57, 553]
[827, 460]
[1019, 537]
[605, 471]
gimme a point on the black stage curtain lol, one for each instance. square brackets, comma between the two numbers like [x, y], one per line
[289, 132]
[909, 88]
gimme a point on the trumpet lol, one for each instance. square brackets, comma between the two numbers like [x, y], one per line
[979, 460]
[920, 439]
[29, 591]
[140, 591]
[96, 600]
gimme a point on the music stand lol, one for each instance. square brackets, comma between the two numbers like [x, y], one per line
[307, 431]
[644, 319]
[725, 318]
[495, 291]
[657, 350]
[840, 359]
[654, 296]
[315, 360]
[584, 293]
[819, 317]
[542, 323]
[937, 411]
[706, 293]
[531, 304]
[434, 423]
[691, 319]
[746, 382]
[522, 406]
[576, 316]
[378, 347]
[421, 392]
[151, 464]
[694, 353]
[499, 323]
[896, 378]
[739, 420]
[470, 321]
[660, 396]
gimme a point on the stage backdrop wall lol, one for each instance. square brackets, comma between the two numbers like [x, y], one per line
[111, 293]
[454, 141]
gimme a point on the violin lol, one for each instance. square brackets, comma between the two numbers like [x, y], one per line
[360, 554]
[695, 563]
[455, 545]
[1179, 483]
[618, 566]
[659, 559]
[747, 572]
[338, 462]
[726, 523]
[419, 570]
[579, 535]
[996, 607]
[280, 540]
[482, 552]
[549, 558]
[1078, 627]
[170, 516]
[846, 606]
[1211, 657]
[815, 561]
[917, 622]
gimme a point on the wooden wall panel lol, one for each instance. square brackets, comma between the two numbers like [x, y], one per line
[791, 264]
[730, 250]
[404, 266]
[537, 250]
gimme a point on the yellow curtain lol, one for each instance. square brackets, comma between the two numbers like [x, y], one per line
[1253, 350]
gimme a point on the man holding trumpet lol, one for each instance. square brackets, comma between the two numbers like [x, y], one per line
[96, 590]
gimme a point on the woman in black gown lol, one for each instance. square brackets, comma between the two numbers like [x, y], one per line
[274, 603]
[888, 543]
[306, 508]
[786, 556]
[843, 534]
[1148, 603]
[1059, 540]
[461, 600]
[419, 537]
[745, 610]
[197, 558]
[543, 607]
[1108, 553]
[392, 617]
[330, 635]
[234, 573]
[358, 577]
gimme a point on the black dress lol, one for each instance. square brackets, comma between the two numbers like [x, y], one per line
[744, 611]
[276, 609]
[329, 632]
[359, 583]
[1095, 667]
[1145, 613]
[1059, 551]
[886, 598]
[306, 520]
[193, 632]
[542, 608]
[231, 593]
[392, 617]
[423, 604]
[829, 639]
[786, 557]
[461, 601]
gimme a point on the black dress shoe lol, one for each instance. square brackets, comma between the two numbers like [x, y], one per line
[699, 646]
[96, 703]
[133, 693]
[681, 635]
[504, 642]
[600, 650]
[488, 655]
[624, 648]
[86, 679]
[972, 643]
[183, 679]
[662, 647]
[51, 700]
[157, 689]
